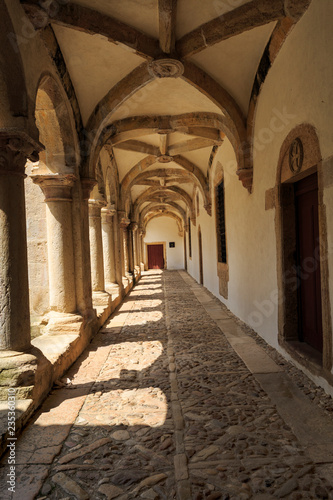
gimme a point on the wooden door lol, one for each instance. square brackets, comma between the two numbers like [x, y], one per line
[200, 259]
[155, 257]
[308, 262]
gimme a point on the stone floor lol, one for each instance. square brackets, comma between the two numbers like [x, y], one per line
[175, 398]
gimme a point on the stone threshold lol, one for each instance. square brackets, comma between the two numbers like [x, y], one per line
[309, 423]
[54, 352]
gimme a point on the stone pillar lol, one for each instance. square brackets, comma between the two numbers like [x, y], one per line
[142, 249]
[14, 286]
[81, 195]
[58, 198]
[96, 245]
[108, 246]
[134, 233]
[123, 224]
[130, 249]
[118, 252]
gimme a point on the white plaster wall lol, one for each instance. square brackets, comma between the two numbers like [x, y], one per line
[165, 229]
[298, 89]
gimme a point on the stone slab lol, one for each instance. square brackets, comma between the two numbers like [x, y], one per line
[254, 356]
[312, 427]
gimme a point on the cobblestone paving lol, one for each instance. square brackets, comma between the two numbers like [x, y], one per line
[173, 413]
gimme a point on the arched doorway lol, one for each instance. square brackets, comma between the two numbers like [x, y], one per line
[302, 251]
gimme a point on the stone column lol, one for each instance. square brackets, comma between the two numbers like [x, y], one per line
[118, 253]
[142, 248]
[130, 250]
[108, 246]
[58, 199]
[82, 247]
[14, 286]
[96, 245]
[123, 224]
[134, 233]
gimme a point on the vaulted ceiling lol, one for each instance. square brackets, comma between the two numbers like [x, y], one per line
[161, 84]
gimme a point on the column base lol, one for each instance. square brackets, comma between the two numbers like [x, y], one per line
[17, 371]
[112, 289]
[101, 299]
[62, 323]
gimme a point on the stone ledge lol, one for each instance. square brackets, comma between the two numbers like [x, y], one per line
[24, 408]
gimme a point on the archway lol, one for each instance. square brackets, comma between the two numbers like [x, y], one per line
[304, 317]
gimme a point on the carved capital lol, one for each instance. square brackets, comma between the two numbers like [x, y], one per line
[108, 212]
[14, 152]
[55, 187]
[123, 220]
[95, 207]
[87, 186]
[134, 226]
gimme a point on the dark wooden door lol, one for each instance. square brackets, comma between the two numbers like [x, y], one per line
[308, 262]
[155, 257]
[200, 260]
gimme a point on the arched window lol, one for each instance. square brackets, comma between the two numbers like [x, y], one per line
[189, 238]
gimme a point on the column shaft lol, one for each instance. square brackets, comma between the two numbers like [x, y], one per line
[58, 198]
[96, 245]
[14, 286]
[108, 246]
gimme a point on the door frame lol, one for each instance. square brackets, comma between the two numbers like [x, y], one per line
[164, 253]
[285, 220]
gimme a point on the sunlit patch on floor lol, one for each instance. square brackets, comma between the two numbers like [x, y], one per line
[146, 406]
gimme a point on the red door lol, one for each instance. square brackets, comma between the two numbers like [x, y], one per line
[155, 257]
[308, 265]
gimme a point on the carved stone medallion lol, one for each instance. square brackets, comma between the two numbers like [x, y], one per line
[296, 155]
[166, 68]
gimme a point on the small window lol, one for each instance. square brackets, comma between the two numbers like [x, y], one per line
[189, 238]
[220, 223]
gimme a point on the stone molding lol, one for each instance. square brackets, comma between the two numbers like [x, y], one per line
[56, 187]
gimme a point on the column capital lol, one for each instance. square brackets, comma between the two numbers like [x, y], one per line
[87, 185]
[57, 187]
[109, 211]
[95, 207]
[123, 220]
[134, 226]
[14, 152]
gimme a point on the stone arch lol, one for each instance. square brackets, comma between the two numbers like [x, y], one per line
[233, 120]
[172, 215]
[165, 206]
[55, 121]
[140, 172]
[146, 196]
[282, 198]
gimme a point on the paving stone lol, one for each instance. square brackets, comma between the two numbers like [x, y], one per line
[165, 408]
[70, 486]
[110, 491]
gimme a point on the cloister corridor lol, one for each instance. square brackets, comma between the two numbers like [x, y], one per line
[175, 398]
